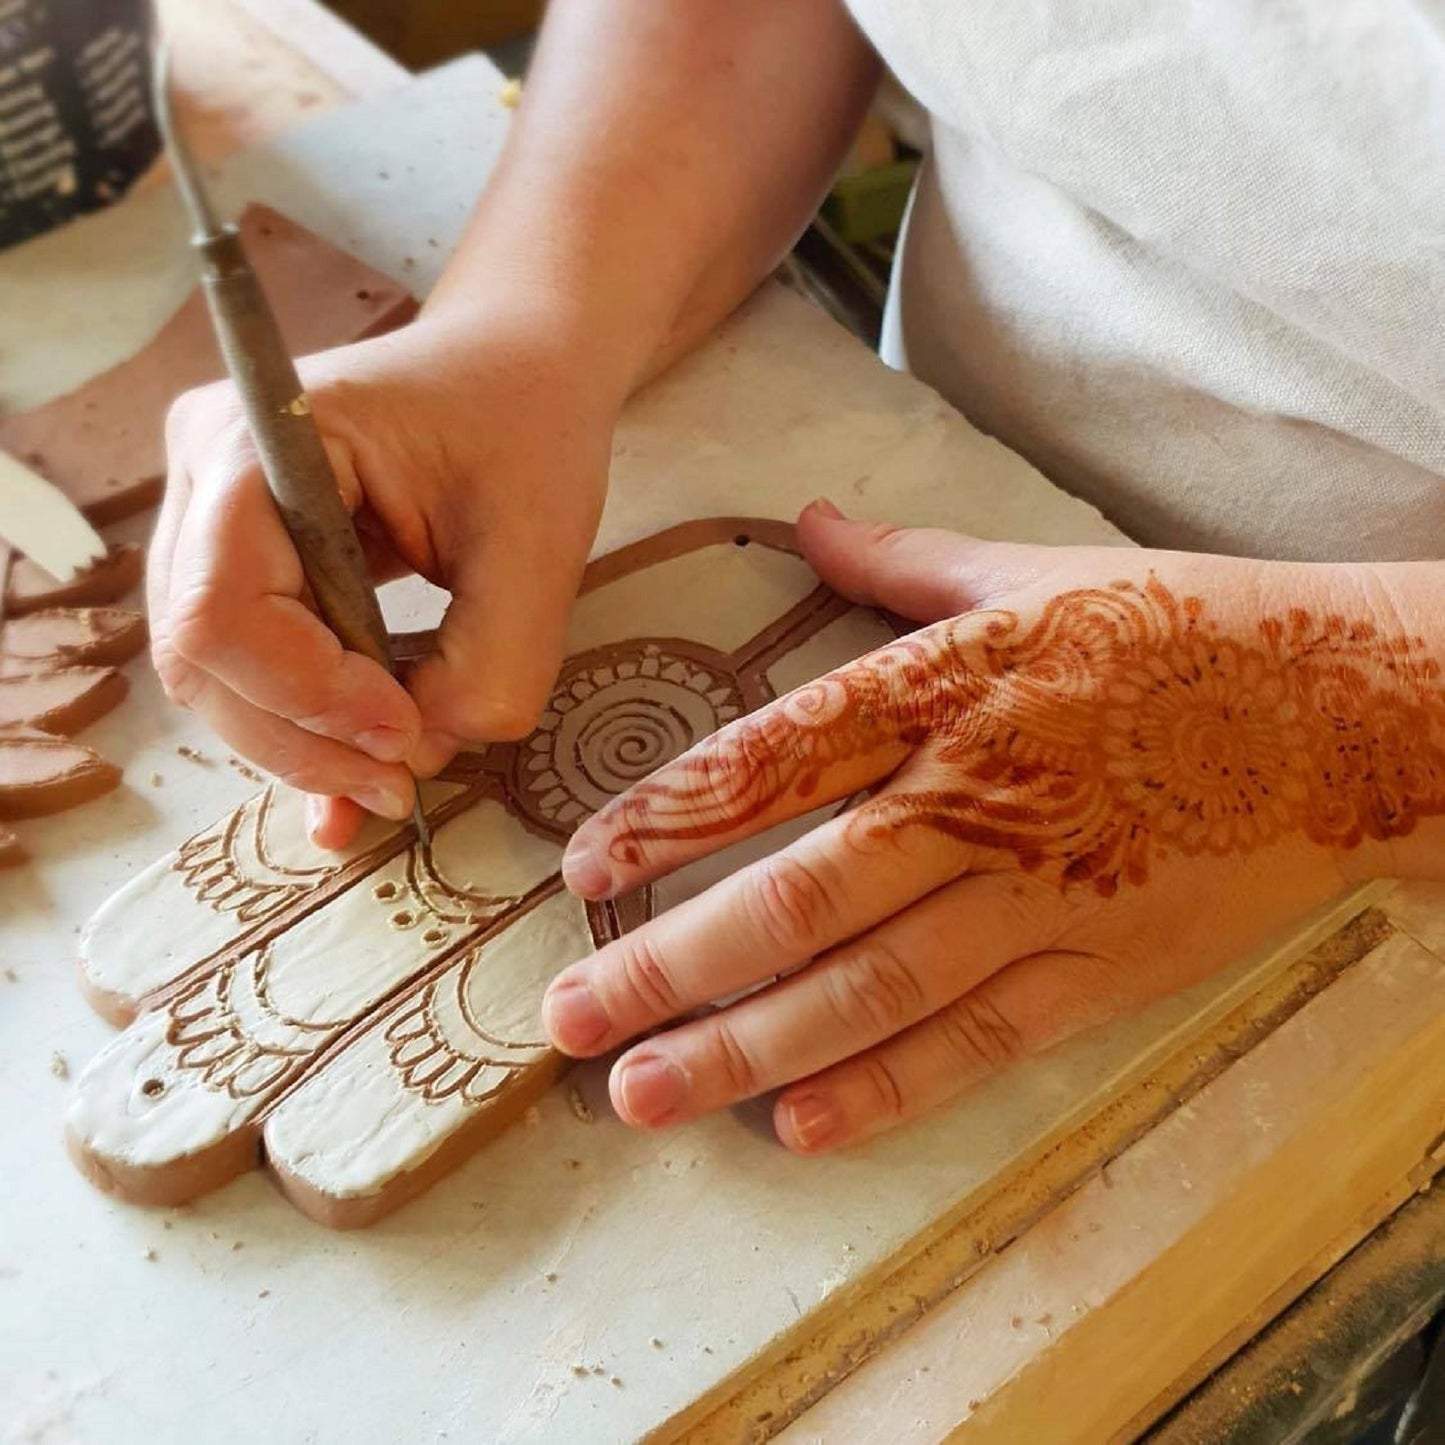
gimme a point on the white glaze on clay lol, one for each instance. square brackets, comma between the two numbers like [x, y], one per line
[239, 1030]
[218, 890]
[399, 1090]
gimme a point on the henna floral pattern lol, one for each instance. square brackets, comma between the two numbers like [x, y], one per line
[1121, 728]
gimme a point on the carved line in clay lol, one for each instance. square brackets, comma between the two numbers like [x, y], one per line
[211, 1040]
[419, 1037]
[427, 886]
[819, 609]
[210, 865]
[421, 1044]
[602, 731]
[331, 883]
[396, 999]
[233, 1069]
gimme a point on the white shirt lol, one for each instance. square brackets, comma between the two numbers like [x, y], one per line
[1189, 258]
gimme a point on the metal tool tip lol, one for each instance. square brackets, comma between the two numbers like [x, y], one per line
[423, 833]
[186, 171]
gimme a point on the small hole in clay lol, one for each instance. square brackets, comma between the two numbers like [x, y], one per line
[363, 295]
[741, 540]
[402, 919]
[152, 1088]
[384, 891]
[434, 935]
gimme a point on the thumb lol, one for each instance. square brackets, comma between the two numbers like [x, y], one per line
[922, 573]
[499, 645]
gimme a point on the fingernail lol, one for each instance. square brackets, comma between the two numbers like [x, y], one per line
[386, 745]
[384, 802]
[651, 1089]
[314, 811]
[827, 508]
[574, 1018]
[813, 1121]
[584, 871]
[433, 752]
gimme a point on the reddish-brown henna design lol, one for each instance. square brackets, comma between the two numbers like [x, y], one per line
[1121, 728]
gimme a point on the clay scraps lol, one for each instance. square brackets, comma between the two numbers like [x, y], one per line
[103, 445]
[59, 672]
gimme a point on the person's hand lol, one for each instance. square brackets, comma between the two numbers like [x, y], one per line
[1104, 774]
[478, 460]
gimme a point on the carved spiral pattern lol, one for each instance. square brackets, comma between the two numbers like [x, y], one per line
[616, 716]
[627, 742]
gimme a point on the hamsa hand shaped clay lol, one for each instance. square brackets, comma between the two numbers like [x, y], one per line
[363, 1021]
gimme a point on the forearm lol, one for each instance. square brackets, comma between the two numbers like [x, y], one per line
[665, 155]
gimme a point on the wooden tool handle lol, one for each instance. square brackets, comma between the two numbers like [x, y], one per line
[293, 457]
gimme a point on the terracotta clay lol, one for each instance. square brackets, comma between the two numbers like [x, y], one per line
[57, 674]
[29, 589]
[364, 1021]
[61, 701]
[42, 774]
[103, 443]
[63, 636]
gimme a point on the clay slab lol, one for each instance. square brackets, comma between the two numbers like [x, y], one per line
[29, 588]
[365, 1021]
[61, 636]
[57, 675]
[40, 774]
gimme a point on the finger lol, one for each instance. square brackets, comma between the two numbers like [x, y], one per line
[1022, 1010]
[922, 573]
[847, 1000]
[821, 743]
[500, 643]
[333, 823]
[301, 759]
[226, 440]
[830, 885]
[159, 554]
[234, 610]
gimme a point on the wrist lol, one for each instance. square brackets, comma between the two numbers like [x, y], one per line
[565, 287]
[532, 336]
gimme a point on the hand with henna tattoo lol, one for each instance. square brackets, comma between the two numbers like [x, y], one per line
[1091, 779]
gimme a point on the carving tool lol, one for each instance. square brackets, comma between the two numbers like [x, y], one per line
[293, 457]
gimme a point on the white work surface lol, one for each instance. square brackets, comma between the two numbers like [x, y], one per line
[667, 1260]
